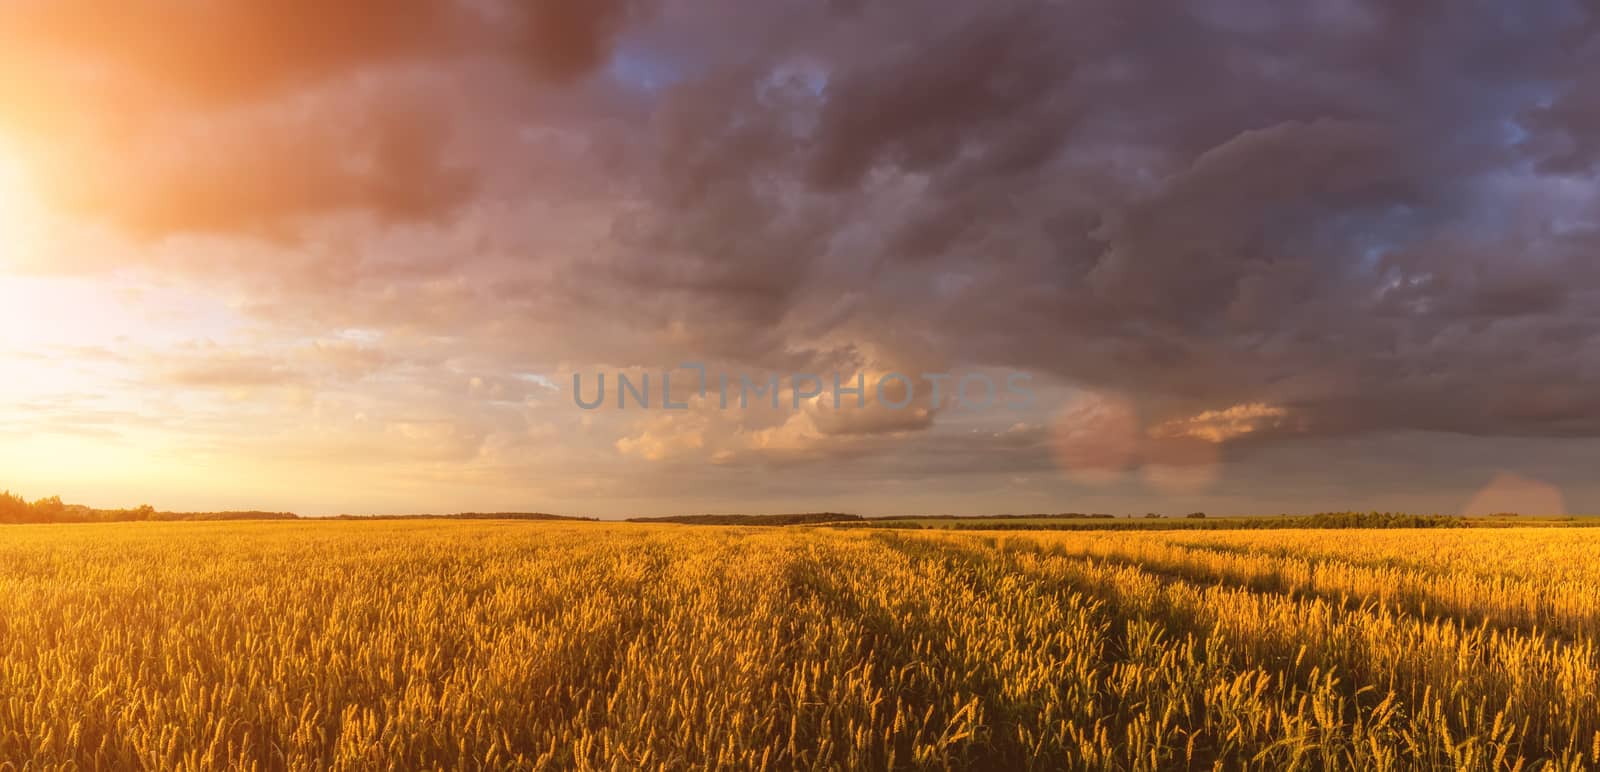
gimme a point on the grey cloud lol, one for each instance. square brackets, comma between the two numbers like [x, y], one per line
[1372, 216]
[1193, 207]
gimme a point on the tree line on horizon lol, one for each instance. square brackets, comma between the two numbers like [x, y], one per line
[16, 509]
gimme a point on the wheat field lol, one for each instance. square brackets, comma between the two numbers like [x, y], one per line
[498, 645]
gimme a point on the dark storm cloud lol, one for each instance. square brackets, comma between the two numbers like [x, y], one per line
[1349, 210]
[1371, 216]
[568, 39]
[966, 87]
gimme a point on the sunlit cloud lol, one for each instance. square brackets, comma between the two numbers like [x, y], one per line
[1219, 426]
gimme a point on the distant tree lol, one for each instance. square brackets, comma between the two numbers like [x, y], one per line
[50, 509]
[14, 509]
[1196, 516]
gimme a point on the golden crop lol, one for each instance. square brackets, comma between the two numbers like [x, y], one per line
[450, 645]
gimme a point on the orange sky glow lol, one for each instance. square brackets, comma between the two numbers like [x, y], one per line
[347, 257]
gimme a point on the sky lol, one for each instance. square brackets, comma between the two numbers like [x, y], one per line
[1244, 256]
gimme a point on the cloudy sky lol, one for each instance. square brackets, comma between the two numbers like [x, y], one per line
[1248, 256]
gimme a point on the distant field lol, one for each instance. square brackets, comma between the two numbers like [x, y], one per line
[527, 645]
[1222, 523]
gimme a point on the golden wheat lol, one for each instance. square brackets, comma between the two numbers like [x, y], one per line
[448, 645]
